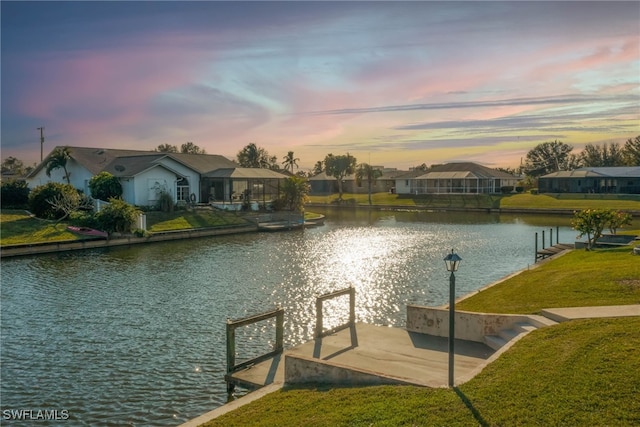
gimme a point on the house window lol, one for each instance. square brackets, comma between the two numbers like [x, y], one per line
[182, 189]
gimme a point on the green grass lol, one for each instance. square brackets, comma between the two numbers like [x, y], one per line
[17, 227]
[494, 201]
[584, 372]
[184, 220]
[578, 278]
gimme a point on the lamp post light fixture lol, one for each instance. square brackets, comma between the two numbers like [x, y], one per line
[452, 261]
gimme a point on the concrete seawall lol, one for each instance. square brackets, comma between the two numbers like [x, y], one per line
[72, 245]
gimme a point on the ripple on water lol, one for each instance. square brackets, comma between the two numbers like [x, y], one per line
[135, 336]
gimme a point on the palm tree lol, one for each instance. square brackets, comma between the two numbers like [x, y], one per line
[58, 159]
[290, 161]
[368, 173]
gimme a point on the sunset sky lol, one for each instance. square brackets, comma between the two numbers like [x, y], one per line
[393, 83]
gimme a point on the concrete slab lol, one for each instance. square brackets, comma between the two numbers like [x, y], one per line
[391, 352]
[570, 313]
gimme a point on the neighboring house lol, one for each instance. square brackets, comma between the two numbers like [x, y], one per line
[405, 181]
[617, 180]
[325, 184]
[145, 175]
[461, 178]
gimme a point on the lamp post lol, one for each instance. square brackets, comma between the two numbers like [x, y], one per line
[452, 261]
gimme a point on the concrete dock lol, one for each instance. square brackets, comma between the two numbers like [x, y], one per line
[382, 354]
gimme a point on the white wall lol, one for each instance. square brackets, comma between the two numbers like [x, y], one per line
[146, 183]
[190, 174]
[78, 175]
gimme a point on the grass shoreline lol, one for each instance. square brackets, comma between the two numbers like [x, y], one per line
[582, 372]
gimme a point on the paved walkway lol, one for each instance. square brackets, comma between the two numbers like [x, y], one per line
[393, 353]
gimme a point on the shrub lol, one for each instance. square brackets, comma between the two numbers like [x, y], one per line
[15, 194]
[519, 189]
[83, 219]
[534, 191]
[40, 199]
[165, 202]
[118, 216]
[506, 189]
[105, 186]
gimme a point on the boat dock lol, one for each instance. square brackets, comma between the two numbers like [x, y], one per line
[367, 354]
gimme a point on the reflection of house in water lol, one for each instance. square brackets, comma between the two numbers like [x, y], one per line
[145, 175]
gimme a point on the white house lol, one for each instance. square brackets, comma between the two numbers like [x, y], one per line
[461, 178]
[144, 175]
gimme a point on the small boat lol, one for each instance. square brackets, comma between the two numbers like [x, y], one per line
[86, 231]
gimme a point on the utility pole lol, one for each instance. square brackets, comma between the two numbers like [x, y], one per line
[41, 142]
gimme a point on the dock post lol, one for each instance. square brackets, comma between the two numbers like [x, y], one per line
[231, 353]
[352, 305]
[542, 239]
[536, 254]
[551, 237]
[557, 234]
[318, 318]
[279, 329]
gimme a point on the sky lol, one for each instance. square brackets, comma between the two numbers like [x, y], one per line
[395, 84]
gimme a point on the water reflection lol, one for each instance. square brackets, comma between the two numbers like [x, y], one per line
[136, 335]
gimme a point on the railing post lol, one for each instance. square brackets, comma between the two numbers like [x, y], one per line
[536, 254]
[542, 239]
[279, 329]
[231, 353]
[551, 237]
[318, 317]
[352, 305]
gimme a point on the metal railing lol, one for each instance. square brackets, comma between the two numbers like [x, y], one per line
[320, 332]
[232, 325]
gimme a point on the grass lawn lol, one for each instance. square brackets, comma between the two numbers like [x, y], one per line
[485, 201]
[17, 226]
[184, 220]
[583, 372]
[580, 373]
[578, 278]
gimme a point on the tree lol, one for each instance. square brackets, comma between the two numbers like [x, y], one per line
[166, 148]
[368, 173]
[105, 186]
[191, 148]
[253, 156]
[40, 197]
[631, 152]
[117, 216]
[289, 161]
[14, 194]
[591, 222]
[602, 156]
[68, 202]
[618, 219]
[12, 166]
[423, 167]
[58, 159]
[318, 168]
[546, 158]
[295, 193]
[339, 167]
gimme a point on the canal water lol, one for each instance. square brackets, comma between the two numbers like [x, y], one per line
[136, 336]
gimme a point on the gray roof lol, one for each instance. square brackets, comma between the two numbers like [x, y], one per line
[605, 172]
[478, 171]
[245, 173]
[96, 160]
